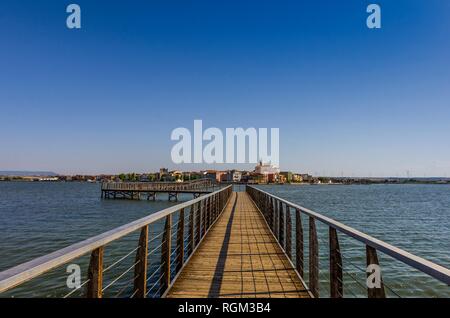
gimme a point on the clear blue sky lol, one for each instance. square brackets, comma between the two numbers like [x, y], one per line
[348, 100]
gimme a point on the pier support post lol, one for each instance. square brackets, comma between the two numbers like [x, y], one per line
[174, 196]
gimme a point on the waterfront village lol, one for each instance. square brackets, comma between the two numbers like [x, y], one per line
[262, 174]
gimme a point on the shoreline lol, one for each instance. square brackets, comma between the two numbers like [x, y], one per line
[251, 184]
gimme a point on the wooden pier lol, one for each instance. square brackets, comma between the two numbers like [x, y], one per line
[149, 190]
[240, 257]
[228, 244]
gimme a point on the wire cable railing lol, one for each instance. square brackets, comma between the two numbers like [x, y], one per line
[300, 241]
[164, 253]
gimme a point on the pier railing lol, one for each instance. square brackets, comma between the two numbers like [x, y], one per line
[300, 241]
[161, 243]
[157, 186]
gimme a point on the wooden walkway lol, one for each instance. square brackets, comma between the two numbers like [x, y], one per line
[239, 258]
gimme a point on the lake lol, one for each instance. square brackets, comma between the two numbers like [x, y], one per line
[39, 218]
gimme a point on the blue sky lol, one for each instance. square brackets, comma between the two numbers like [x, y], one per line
[104, 99]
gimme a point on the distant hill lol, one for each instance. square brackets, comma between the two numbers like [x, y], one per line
[28, 173]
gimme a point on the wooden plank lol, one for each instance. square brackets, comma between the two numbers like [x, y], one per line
[95, 274]
[140, 269]
[372, 259]
[313, 258]
[336, 279]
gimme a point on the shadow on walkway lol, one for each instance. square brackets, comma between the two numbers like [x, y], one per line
[214, 290]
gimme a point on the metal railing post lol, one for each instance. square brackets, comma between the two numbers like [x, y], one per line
[140, 269]
[336, 279]
[95, 274]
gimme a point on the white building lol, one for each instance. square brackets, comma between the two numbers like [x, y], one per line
[266, 169]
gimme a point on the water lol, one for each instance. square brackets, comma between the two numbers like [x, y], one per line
[39, 218]
[415, 218]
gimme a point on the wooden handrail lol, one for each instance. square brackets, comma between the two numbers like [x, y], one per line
[29, 270]
[434, 270]
[148, 186]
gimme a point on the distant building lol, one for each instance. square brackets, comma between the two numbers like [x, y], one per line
[210, 174]
[195, 175]
[297, 178]
[286, 176]
[254, 177]
[48, 179]
[221, 176]
[177, 175]
[266, 169]
[164, 175]
[237, 176]
[269, 172]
